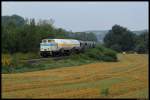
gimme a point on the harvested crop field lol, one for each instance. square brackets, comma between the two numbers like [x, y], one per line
[127, 78]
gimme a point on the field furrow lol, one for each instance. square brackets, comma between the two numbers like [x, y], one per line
[127, 78]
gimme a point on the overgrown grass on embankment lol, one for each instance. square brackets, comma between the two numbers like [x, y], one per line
[13, 64]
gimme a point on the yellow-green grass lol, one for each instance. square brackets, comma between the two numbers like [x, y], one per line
[127, 78]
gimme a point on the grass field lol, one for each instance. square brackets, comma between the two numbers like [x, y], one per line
[127, 78]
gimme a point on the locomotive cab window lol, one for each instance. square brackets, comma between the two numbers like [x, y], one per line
[50, 40]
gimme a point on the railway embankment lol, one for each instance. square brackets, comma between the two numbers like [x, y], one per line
[33, 62]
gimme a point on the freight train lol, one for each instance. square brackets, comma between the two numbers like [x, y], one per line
[58, 47]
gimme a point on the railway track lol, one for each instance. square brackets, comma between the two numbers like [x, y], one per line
[32, 61]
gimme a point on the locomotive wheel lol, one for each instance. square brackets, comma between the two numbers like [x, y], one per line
[77, 51]
[53, 54]
[69, 53]
[44, 55]
[73, 51]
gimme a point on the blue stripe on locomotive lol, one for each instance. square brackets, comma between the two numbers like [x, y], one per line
[48, 44]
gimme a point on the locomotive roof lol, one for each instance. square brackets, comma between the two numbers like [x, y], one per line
[58, 39]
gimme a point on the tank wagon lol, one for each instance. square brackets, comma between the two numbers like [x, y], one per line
[54, 47]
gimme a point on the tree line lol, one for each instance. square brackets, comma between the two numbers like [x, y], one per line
[24, 35]
[121, 39]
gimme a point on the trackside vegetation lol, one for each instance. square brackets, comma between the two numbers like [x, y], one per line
[16, 63]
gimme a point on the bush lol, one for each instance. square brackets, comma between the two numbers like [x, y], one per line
[102, 54]
[109, 55]
[141, 49]
[99, 53]
[13, 63]
[6, 60]
[25, 56]
[8, 63]
[105, 91]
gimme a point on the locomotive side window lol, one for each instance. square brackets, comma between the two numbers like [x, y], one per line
[44, 41]
[80, 44]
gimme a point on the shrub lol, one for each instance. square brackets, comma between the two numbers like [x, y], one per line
[13, 63]
[6, 60]
[105, 91]
[24, 56]
[109, 55]
[102, 54]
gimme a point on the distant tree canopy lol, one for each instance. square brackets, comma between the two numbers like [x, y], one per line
[25, 35]
[142, 43]
[14, 19]
[121, 39]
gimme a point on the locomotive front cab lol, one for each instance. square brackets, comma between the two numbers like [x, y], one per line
[47, 46]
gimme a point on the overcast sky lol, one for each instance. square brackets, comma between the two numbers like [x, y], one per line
[82, 16]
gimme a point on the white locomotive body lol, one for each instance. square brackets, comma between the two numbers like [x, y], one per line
[63, 46]
[57, 46]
